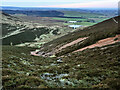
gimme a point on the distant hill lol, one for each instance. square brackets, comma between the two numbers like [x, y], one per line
[50, 13]
[16, 31]
[108, 12]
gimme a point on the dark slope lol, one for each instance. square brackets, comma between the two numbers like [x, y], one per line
[28, 35]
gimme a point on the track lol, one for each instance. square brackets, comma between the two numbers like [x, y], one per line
[103, 42]
[115, 20]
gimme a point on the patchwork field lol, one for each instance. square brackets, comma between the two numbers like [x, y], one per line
[83, 18]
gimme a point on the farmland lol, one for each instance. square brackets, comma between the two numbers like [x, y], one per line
[83, 18]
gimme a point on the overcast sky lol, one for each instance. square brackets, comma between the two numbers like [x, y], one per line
[62, 3]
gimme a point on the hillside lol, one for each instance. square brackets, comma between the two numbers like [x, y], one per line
[86, 58]
[93, 68]
[102, 30]
[16, 31]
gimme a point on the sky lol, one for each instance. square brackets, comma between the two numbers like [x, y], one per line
[62, 3]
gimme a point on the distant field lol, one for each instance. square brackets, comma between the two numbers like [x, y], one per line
[87, 19]
[80, 14]
[81, 23]
[59, 17]
[100, 19]
[69, 19]
[82, 20]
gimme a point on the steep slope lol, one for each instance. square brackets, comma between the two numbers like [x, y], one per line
[105, 29]
[103, 42]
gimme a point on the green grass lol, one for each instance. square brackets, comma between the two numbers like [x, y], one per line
[69, 19]
[100, 19]
[81, 23]
[86, 23]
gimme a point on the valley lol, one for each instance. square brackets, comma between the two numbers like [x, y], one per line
[40, 49]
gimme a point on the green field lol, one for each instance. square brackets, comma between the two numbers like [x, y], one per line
[81, 23]
[87, 18]
[69, 19]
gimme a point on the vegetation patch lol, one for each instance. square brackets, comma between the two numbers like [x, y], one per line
[75, 71]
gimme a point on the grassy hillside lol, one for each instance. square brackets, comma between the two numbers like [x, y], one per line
[28, 35]
[20, 70]
[17, 31]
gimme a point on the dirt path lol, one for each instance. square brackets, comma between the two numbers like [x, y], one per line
[36, 53]
[103, 42]
[72, 43]
[115, 20]
[100, 43]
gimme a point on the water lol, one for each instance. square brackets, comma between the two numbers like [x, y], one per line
[75, 26]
